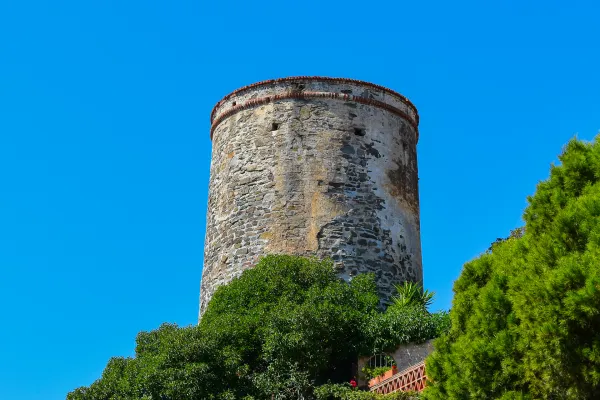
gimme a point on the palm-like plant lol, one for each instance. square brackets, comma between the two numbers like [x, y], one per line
[412, 294]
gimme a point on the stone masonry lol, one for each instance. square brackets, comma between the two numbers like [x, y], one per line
[314, 166]
[405, 356]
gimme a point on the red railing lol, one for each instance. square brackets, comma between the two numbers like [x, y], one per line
[412, 378]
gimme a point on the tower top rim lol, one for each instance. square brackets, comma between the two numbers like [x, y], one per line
[403, 98]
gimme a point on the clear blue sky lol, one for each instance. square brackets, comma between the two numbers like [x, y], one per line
[105, 150]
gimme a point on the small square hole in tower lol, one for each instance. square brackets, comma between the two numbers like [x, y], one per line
[359, 132]
[233, 104]
[274, 126]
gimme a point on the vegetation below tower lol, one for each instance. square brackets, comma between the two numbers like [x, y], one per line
[281, 329]
[524, 323]
[526, 315]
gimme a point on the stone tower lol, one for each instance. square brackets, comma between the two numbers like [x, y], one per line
[314, 166]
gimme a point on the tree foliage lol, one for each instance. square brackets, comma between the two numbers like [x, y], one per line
[412, 294]
[278, 331]
[345, 392]
[526, 315]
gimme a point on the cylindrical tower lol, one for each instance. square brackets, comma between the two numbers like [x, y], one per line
[314, 166]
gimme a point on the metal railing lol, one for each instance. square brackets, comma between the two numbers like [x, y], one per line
[412, 378]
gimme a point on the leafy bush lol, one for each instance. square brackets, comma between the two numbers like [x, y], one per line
[526, 315]
[345, 392]
[401, 325]
[372, 372]
[278, 331]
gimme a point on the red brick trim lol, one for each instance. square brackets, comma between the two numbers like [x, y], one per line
[314, 78]
[308, 95]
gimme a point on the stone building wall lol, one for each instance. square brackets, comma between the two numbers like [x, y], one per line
[314, 166]
[405, 356]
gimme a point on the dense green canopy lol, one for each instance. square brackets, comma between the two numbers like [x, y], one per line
[526, 315]
[281, 329]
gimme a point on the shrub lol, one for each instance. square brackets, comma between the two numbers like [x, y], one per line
[345, 392]
[278, 331]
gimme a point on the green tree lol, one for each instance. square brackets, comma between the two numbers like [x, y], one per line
[412, 294]
[526, 315]
[278, 329]
[281, 329]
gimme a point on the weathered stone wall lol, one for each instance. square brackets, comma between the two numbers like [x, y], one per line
[411, 354]
[405, 355]
[314, 166]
